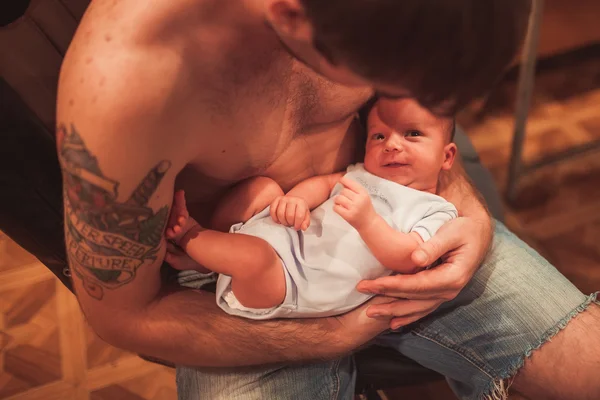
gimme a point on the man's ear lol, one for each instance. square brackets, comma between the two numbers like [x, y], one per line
[449, 156]
[288, 18]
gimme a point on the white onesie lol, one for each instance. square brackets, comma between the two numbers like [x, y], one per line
[324, 264]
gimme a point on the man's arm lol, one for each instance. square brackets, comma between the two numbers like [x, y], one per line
[457, 188]
[119, 167]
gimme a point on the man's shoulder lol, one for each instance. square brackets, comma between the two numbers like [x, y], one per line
[113, 65]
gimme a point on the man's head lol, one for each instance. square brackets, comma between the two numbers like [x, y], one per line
[444, 53]
[407, 144]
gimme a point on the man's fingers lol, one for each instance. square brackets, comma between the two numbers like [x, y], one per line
[169, 258]
[174, 249]
[399, 322]
[405, 312]
[352, 185]
[444, 241]
[435, 283]
[403, 308]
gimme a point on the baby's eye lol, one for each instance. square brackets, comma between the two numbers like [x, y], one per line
[413, 134]
[378, 136]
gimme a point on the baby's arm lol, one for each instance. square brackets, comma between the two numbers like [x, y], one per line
[294, 208]
[392, 248]
[315, 190]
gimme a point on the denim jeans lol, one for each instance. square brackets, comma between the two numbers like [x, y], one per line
[514, 304]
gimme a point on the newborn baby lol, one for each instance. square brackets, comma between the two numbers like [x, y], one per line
[303, 253]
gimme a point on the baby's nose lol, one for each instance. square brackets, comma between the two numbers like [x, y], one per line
[392, 144]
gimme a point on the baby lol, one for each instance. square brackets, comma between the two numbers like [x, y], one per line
[303, 253]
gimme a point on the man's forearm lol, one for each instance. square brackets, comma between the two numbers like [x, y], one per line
[456, 187]
[186, 327]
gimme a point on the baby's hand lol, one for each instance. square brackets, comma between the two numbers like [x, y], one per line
[354, 204]
[179, 220]
[291, 211]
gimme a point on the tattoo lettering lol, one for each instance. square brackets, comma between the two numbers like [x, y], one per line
[107, 240]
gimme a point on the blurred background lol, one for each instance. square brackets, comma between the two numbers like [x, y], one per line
[547, 173]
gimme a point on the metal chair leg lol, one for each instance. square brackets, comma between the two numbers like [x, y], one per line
[524, 93]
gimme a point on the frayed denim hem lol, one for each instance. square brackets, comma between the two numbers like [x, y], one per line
[498, 388]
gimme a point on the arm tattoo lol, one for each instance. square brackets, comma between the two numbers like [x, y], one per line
[107, 240]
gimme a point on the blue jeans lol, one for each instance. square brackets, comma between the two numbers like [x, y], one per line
[514, 304]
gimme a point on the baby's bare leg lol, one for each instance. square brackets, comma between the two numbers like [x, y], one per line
[244, 201]
[258, 279]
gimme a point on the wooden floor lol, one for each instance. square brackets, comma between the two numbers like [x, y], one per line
[47, 351]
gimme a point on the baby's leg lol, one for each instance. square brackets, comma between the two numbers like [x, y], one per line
[257, 276]
[258, 280]
[244, 201]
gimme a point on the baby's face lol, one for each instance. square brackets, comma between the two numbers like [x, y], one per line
[407, 144]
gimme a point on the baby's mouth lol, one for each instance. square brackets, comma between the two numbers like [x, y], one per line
[395, 165]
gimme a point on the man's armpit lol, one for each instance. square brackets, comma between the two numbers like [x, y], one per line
[107, 240]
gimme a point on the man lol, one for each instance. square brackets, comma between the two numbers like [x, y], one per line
[200, 95]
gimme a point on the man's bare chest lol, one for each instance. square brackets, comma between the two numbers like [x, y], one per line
[294, 131]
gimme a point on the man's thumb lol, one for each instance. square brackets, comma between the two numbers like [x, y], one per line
[428, 252]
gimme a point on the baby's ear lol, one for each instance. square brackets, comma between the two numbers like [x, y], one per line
[449, 156]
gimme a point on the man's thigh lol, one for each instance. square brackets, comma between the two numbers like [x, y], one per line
[332, 380]
[514, 304]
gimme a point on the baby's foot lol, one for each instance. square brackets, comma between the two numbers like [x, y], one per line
[178, 259]
[179, 220]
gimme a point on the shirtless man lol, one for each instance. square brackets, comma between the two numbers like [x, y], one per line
[201, 94]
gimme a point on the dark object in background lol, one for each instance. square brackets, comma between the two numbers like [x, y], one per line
[11, 10]
[31, 210]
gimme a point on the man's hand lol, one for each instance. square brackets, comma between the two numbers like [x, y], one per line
[357, 327]
[354, 204]
[462, 244]
[291, 211]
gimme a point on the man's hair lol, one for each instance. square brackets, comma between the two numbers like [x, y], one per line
[444, 52]
[452, 129]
